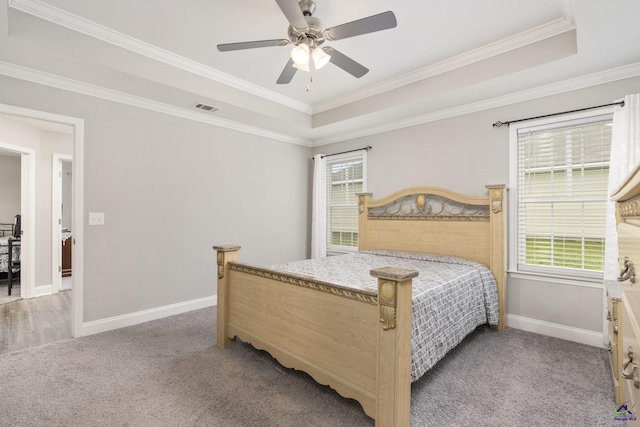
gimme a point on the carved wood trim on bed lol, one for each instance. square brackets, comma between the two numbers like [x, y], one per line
[318, 285]
[358, 342]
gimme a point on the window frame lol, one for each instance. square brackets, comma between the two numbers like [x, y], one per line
[346, 157]
[513, 226]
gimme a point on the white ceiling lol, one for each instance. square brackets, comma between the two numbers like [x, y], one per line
[443, 58]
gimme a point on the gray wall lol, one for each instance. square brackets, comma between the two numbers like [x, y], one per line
[171, 188]
[9, 187]
[465, 153]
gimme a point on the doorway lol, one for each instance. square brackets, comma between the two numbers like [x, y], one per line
[25, 208]
[28, 201]
[61, 222]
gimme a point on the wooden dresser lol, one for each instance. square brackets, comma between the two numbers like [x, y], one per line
[626, 353]
[614, 305]
[66, 257]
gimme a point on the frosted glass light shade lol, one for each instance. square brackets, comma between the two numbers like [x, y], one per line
[302, 67]
[320, 58]
[300, 54]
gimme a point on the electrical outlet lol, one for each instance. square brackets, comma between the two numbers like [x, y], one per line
[96, 218]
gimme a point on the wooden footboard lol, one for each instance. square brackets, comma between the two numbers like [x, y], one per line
[358, 343]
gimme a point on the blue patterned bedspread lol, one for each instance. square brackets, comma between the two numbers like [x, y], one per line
[451, 296]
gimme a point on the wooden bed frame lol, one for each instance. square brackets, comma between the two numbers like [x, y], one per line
[359, 343]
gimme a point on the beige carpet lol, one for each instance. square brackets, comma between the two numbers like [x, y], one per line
[170, 373]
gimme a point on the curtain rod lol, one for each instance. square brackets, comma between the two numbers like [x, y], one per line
[499, 123]
[368, 147]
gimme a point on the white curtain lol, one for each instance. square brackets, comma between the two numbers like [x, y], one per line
[625, 155]
[319, 208]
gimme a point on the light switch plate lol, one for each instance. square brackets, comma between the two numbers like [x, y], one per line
[96, 218]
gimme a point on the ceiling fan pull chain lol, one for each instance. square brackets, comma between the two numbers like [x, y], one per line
[310, 81]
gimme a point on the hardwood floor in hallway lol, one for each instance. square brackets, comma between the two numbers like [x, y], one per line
[32, 322]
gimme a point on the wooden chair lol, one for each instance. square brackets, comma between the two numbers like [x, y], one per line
[14, 246]
[14, 262]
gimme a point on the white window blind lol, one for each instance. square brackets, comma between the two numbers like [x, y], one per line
[562, 193]
[345, 178]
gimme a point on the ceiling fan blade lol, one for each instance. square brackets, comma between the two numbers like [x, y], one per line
[371, 24]
[346, 63]
[287, 74]
[293, 13]
[226, 47]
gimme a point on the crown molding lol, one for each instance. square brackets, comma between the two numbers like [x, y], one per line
[516, 41]
[595, 79]
[92, 29]
[51, 80]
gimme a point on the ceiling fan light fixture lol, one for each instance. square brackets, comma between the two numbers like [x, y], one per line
[307, 33]
[320, 58]
[300, 54]
[304, 66]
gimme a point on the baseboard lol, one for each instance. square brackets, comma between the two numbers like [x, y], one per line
[556, 330]
[41, 290]
[130, 319]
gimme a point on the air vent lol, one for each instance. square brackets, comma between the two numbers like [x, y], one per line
[205, 107]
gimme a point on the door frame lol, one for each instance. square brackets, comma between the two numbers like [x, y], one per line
[28, 208]
[56, 224]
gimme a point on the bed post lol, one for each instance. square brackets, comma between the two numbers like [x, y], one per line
[393, 395]
[363, 201]
[225, 254]
[498, 255]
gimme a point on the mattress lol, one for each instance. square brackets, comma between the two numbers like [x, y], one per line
[451, 296]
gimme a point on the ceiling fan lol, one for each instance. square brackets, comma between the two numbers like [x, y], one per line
[308, 33]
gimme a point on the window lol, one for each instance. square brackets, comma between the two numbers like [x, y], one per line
[345, 178]
[561, 182]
